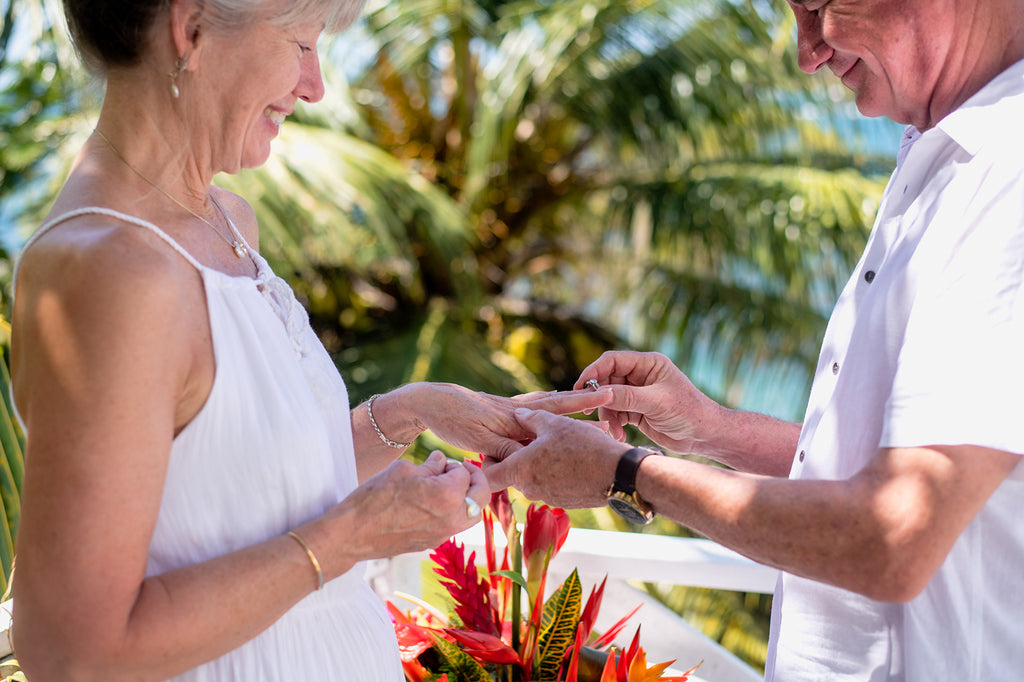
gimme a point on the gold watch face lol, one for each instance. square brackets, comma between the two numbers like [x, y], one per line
[631, 508]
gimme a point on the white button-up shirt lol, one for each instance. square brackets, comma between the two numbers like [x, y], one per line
[926, 347]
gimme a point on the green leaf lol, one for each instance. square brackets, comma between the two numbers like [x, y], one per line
[558, 626]
[11, 468]
[10, 433]
[514, 576]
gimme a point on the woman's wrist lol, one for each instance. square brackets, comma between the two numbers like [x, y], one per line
[333, 540]
[393, 423]
[376, 427]
[311, 555]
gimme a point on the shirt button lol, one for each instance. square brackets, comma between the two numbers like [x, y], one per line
[869, 276]
[802, 455]
[835, 368]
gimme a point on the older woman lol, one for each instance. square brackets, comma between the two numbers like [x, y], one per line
[198, 495]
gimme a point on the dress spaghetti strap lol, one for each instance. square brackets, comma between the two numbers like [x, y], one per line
[99, 210]
[93, 210]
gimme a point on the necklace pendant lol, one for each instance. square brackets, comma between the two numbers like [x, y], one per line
[239, 248]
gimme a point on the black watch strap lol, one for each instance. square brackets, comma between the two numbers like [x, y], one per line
[629, 465]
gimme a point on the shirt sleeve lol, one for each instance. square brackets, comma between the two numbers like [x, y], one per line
[960, 373]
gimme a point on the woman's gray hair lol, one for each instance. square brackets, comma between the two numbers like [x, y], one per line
[114, 32]
[336, 15]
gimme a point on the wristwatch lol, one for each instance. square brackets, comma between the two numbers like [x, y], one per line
[622, 497]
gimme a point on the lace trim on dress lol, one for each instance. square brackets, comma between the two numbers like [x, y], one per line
[281, 299]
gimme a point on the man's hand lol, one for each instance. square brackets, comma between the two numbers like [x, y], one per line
[569, 463]
[651, 393]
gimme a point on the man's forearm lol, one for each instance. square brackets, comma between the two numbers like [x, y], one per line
[881, 533]
[754, 443]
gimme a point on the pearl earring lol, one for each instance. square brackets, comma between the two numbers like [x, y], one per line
[180, 64]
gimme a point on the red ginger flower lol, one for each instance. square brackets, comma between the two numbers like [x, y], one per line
[546, 528]
[468, 590]
[501, 507]
[543, 535]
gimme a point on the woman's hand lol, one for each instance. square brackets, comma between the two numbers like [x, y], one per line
[404, 508]
[650, 392]
[486, 424]
[470, 420]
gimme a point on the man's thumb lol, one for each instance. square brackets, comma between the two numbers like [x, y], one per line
[531, 420]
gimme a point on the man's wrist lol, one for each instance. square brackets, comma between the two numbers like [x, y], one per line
[622, 495]
[750, 441]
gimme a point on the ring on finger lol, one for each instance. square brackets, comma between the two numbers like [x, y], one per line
[592, 384]
[472, 508]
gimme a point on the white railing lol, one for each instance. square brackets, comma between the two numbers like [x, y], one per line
[624, 557]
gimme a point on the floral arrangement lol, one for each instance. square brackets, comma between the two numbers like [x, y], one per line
[490, 637]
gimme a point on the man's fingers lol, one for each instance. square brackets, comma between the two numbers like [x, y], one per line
[505, 448]
[498, 474]
[532, 420]
[613, 419]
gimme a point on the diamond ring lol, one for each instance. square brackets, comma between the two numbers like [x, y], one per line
[592, 384]
[472, 508]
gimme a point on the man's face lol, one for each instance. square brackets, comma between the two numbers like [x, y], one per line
[890, 53]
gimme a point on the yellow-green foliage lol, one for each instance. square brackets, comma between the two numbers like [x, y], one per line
[558, 626]
[11, 472]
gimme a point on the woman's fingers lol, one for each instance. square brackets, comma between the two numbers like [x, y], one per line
[566, 402]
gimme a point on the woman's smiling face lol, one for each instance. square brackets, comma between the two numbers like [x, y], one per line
[251, 79]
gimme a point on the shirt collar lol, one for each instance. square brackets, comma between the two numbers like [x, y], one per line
[910, 135]
[972, 123]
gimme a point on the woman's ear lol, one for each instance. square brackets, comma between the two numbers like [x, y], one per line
[187, 28]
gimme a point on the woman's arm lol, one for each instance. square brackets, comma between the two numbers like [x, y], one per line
[470, 420]
[110, 352]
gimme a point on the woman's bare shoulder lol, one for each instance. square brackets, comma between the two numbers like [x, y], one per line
[98, 253]
[94, 297]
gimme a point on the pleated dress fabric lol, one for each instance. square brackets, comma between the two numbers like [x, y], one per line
[271, 449]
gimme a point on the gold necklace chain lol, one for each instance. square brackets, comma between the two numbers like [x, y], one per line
[237, 244]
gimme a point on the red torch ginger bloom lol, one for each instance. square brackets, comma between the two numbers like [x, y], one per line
[544, 534]
[546, 529]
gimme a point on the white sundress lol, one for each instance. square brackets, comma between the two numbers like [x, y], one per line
[271, 449]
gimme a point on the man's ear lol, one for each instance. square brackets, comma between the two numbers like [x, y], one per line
[187, 29]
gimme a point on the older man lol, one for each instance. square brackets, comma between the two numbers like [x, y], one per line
[900, 526]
